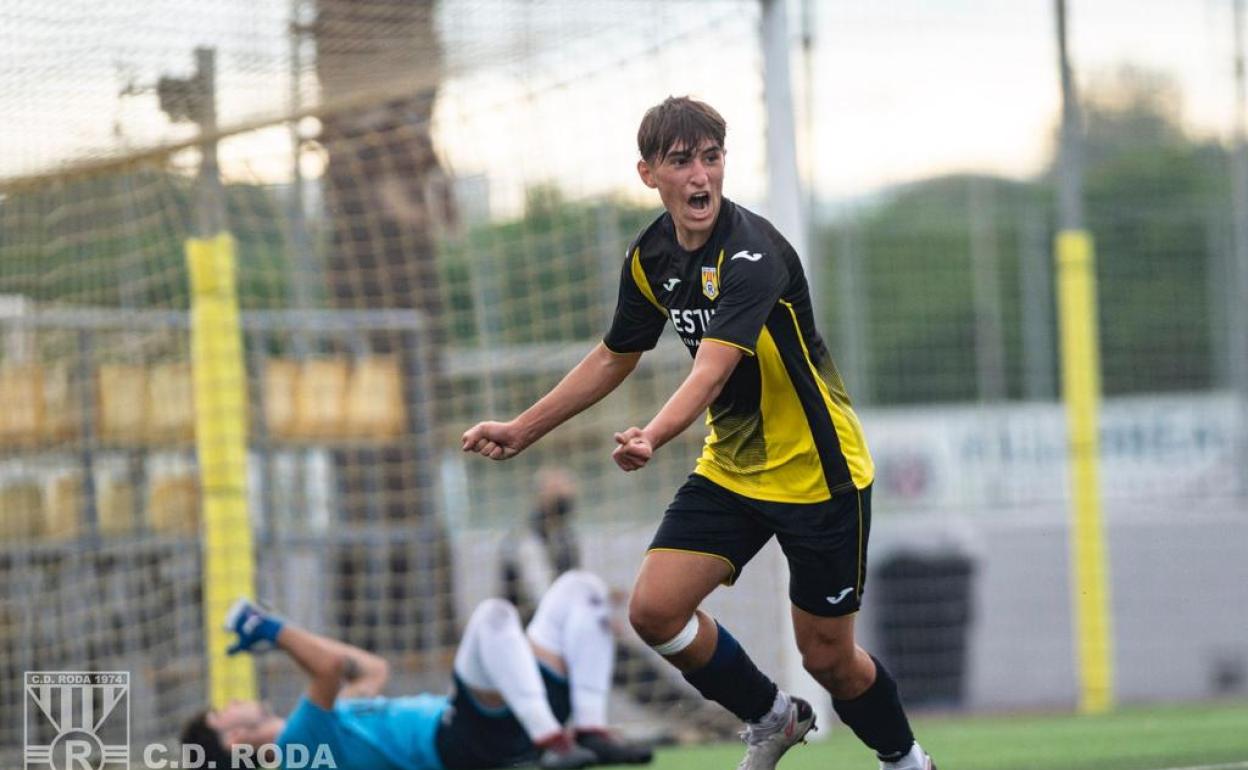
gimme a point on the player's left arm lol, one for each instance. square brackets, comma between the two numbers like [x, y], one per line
[751, 283]
[712, 367]
[364, 675]
[334, 668]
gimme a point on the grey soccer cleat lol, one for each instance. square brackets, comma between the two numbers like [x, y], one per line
[612, 750]
[566, 755]
[764, 749]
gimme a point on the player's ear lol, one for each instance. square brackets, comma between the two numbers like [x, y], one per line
[647, 177]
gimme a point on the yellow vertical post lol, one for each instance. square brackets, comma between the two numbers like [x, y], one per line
[221, 442]
[1081, 389]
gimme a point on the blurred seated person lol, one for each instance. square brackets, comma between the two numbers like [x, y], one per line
[531, 557]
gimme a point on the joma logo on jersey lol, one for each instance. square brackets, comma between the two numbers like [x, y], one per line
[710, 282]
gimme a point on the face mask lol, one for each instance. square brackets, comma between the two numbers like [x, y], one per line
[562, 506]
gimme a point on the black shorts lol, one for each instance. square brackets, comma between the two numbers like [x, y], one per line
[474, 737]
[825, 543]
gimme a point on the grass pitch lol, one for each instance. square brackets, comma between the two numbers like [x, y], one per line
[1204, 736]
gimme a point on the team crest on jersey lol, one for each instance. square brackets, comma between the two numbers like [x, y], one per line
[710, 282]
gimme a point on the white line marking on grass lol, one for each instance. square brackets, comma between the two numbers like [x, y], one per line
[1231, 766]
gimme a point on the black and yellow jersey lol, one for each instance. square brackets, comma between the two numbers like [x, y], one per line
[782, 428]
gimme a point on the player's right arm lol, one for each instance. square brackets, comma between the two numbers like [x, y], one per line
[635, 328]
[599, 372]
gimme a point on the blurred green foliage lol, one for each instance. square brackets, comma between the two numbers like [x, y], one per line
[118, 241]
[1156, 203]
[548, 276]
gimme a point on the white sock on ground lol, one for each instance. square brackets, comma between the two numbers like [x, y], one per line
[572, 621]
[591, 657]
[494, 654]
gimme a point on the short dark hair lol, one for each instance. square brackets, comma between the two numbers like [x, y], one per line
[197, 732]
[678, 120]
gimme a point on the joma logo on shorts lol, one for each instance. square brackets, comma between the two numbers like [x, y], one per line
[837, 599]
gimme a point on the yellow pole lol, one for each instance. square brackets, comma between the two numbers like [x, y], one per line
[1081, 388]
[221, 442]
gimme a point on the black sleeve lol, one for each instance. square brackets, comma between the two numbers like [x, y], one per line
[750, 284]
[638, 320]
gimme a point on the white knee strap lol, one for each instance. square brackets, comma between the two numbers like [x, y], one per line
[681, 640]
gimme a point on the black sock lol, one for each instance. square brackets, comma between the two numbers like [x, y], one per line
[877, 717]
[732, 680]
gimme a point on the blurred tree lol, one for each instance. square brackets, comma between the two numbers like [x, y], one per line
[547, 272]
[118, 241]
[1155, 201]
[915, 252]
[1156, 206]
[385, 193]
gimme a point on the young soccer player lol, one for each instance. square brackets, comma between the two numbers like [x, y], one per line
[513, 693]
[785, 455]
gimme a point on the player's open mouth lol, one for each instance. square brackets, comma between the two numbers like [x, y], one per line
[700, 201]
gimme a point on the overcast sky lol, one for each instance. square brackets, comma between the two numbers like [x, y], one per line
[901, 90]
[546, 90]
[974, 84]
